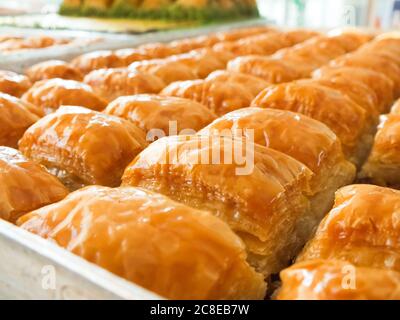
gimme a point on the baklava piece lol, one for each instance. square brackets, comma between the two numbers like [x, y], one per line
[144, 237]
[82, 146]
[25, 185]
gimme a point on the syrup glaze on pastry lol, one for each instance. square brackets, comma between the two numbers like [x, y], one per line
[53, 69]
[262, 195]
[362, 228]
[13, 83]
[82, 146]
[15, 117]
[25, 185]
[154, 112]
[49, 95]
[163, 246]
[113, 83]
[330, 280]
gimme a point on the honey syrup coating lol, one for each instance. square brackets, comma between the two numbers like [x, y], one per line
[113, 83]
[168, 71]
[88, 62]
[266, 68]
[362, 228]
[305, 139]
[341, 114]
[144, 237]
[262, 195]
[49, 95]
[25, 185]
[155, 112]
[15, 117]
[53, 69]
[377, 63]
[222, 91]
[82, 146]
[383, 164]
[323, 280]
[380, 84]
[201, 62]
[13, 83]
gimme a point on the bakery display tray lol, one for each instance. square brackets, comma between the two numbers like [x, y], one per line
[91, 41]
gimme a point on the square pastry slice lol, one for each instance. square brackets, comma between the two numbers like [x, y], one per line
[161, 116]
[362, 228]
[82, 146]
[337, 280]
[305, 139]
[164, 246]
[25, 185]
[383, 164]
[341, 114]
[260, 192]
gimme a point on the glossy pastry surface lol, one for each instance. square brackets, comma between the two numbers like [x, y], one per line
[113, 83]
[268, 69]
[376, 81]
[342, 115]
[260, 192]
[49, 95]
[171, 115]
[362, 228]
[53, 69]
[15, 117]
[168, 71]
[82, 146]
[166, 247]
[97, 60]
[337, 280]
[13, 83]
[25, 185]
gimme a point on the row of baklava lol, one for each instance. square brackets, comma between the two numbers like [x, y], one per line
[11, 43]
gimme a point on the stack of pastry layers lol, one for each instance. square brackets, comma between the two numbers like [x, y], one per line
[181, 228]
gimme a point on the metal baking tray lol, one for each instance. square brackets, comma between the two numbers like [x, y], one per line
[91, 41]
[34, 268]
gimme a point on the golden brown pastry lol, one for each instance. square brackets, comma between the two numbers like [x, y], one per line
[358, 92]
[383, 164]
[171, 115]
[373, 62]
[296, 36]
[221, 91]
[113, 83]
[15, 117]
[306, 140]
[49, 95]
[130, 55]
[167, 70]
[341, 114]
[260, 192]
[33, 42]
[13, 83]
[237, 34]
[252, 84]
[82, 146]
[97, 60]
[163, 246]
[53, 69]
[269, 69]
[261, 44]
[377, 82]
[189, 44]
[25, 185]
[201, 62]
[362, 228]
[337, 280]
[157, 50]
[219, 97]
